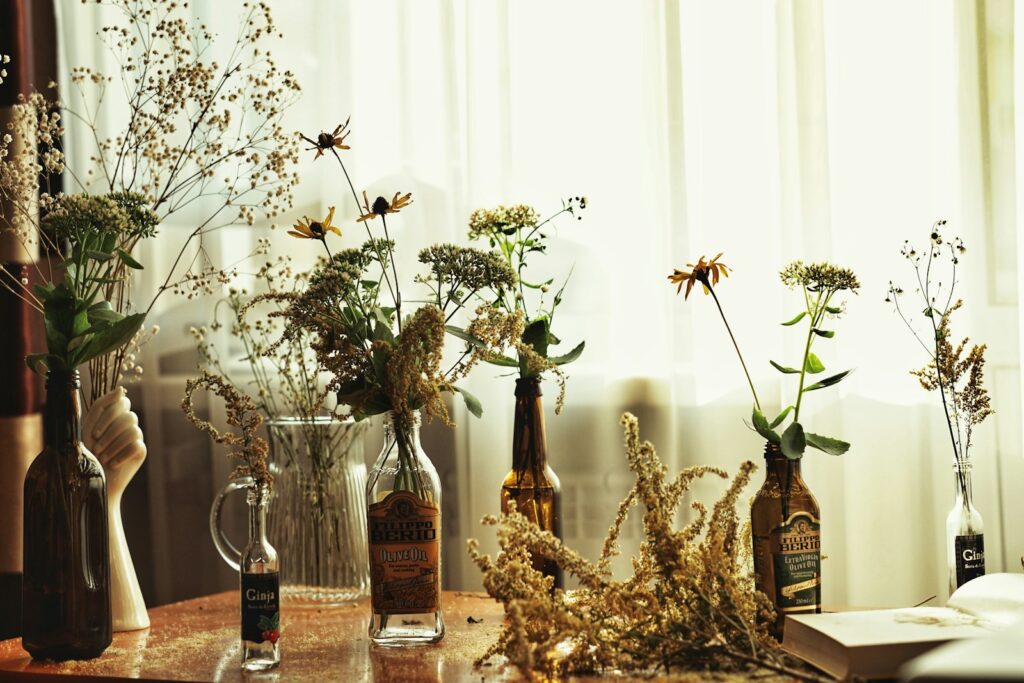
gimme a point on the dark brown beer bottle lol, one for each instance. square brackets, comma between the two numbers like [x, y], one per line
[66, 587]
[532, 484]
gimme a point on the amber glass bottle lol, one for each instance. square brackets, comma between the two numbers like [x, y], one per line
[66, 588]
[785, 521]
[532, 484]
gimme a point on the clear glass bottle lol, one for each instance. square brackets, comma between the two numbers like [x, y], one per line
[260, 588]
[66, 581]
[403, 497]
[965, 537]
[785, 524]
[531, 483]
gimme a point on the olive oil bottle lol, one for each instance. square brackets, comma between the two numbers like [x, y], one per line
[403, 497]
[785, 521]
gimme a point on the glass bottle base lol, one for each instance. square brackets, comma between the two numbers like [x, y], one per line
[260, 656]
[405, 630]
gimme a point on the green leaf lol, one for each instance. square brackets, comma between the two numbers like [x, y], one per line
[110, 339]
[538, 285]
[827, 444]
[504, 361]
[793, 443]
[571, 356]
[828, 334]
[835, 310]
[104, 314]
[536, 335]
[101, 256]
[784, 369]
[762, 427]
[127, 259]
[794, 321]
[472, 402]
[382, 332]
[813, 364]
[465, 336]
[828, 381]
[780, 417]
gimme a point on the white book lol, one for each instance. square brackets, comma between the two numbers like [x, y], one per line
[876, 643]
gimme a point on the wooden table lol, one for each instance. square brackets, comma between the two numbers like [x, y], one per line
[197, 640]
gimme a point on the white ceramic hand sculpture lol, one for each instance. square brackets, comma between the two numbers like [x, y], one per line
[111, 432]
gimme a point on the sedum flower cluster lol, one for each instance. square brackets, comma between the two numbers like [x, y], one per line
[689, 606]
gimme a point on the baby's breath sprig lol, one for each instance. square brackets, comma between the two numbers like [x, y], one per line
[689, 606]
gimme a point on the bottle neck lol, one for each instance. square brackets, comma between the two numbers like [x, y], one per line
[405, 429]
[529, 438]
[962, 482]
[258, 498]
[63, 412]
[777, 465]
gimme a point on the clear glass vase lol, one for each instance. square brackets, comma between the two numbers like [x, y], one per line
[317, 513]
[316, 517]
[403, 502]
[965, 531]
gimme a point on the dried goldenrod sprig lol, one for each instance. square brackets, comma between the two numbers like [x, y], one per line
[250, 449]
[690, 606]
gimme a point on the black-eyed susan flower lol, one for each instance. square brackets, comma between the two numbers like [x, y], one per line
[705, 272]
[382, 206]
[309, 229]
[327, 141]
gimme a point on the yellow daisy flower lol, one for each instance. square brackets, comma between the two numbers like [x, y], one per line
[705, 272]
[308, 229]
[381, 206]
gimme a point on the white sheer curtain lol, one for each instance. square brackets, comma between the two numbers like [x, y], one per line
[767, 130]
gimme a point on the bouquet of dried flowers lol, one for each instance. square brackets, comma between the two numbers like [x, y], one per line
[515, 233]
[690, 605]
[203, 143]
[956, 372]
[819, 283]
[380, 358]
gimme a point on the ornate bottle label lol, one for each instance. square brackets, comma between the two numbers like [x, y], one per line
[405, 554]
[796, 554]
[970, 558]
[261, 615]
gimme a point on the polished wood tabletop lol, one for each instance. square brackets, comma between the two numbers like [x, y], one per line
[198, 640]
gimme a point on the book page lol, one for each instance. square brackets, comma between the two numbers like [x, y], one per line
[997, 598]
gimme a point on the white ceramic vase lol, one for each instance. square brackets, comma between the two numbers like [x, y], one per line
[110, 430]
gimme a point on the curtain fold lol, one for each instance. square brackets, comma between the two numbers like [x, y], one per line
[770, 131]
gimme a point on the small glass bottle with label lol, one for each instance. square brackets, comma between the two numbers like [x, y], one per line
[785, 523]
[403, 496]
[260, 589]
[965, 537]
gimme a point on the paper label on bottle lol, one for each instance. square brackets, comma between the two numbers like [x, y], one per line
[405, 554]
[796, 554]
[261, 615]
[970, 557]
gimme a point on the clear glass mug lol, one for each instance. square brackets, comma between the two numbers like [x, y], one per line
[316, 518]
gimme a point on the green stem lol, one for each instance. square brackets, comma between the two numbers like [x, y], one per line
[734, 344]
[814, 314]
